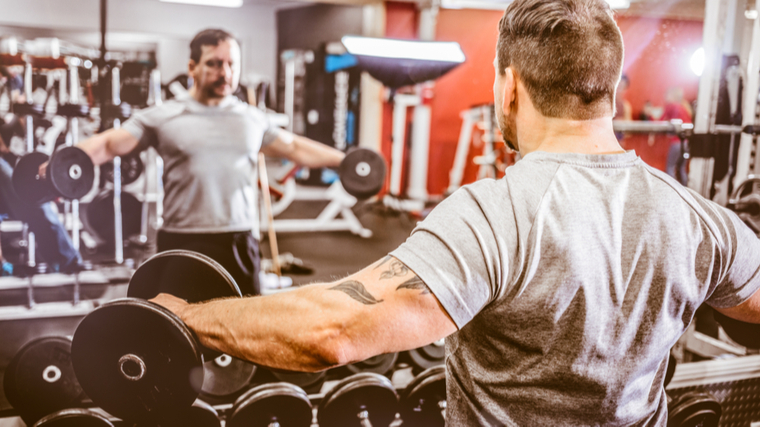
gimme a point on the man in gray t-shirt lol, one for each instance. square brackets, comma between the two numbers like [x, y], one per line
[209, 142]
[560, 288]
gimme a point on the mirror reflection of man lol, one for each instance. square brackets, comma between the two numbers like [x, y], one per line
[209, 142]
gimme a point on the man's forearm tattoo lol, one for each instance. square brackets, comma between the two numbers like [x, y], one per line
[356, 291]
[415, 283]
[396, 269]
[386, 259]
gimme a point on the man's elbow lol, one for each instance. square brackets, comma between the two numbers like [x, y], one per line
[333, 350]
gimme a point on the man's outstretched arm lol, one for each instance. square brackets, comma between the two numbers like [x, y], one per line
[381, 309]
[303, 151]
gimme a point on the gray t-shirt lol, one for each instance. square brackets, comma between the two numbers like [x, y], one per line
[570, 279]
[210, 157]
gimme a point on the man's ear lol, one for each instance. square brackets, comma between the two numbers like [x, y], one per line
[509, 96]
[191, 66]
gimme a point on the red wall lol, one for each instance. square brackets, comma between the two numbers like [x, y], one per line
[656, 58]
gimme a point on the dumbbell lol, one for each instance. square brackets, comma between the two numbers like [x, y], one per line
[70, 174]
[426, 357]
[693, 408]
[225, 376]
[311, 382]
[362, 173]
[380, 364]
[40, 379]
[138, 360]
[132, 168]
[361, 400]
[71, 111]
[74, 417]
[272, 405]
[423, 401]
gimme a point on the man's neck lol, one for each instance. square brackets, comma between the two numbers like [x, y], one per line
[203, 99]
[539, 133]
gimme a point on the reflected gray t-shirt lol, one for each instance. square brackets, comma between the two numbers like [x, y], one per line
[210, 156]
[570, 279]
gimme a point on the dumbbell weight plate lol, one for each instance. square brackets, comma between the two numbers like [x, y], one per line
[281, 402]
[73, 110]
[131, 168]
[420, 400]
[74, 417]
[358, 393]
[26, 109]
[71, 172]
[110, 111]
[27, 184]
[136, 360]
[379, 364]
[311, 382]
[362, 173]
[189, 275]
[201, 414]
[428, 356]
[694, 409]
[40, 379]
[225, 376]
[100, 221]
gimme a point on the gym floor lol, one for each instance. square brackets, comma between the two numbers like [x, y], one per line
[330, 254]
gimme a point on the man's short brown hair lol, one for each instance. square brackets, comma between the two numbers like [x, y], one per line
[210, 37]
[567, 53]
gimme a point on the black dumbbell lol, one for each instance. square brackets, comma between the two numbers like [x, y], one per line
[132, 168]
[99, 219]
[73, 110]
[70, 174]
[40, 379]
[694, 409]
[423, 401]
[426, 357]
[225, 376]
[311, 382]
[272, 405]
[138, 360]
[380, 364]
[362, 173]
[74, 417]
[27, 109]
[111, 111]
[361, 400]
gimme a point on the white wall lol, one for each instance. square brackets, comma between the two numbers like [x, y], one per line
[170, 26]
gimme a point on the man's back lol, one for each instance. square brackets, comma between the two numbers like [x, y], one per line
[570, 279]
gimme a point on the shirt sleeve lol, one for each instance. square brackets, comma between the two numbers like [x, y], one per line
[456, 253]
[142, 125]
[739, 262]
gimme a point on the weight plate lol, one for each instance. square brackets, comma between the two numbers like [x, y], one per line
[379, 364]
[201, 414]
[27, 184]
[40, 379]
[189, 275]
[74, 417]
[283, 403]
[25, 109]
[132, 167]
[136, 360]
[110, 111]
[311, 382]
[226, 376]
[362, 173]
[353, 396]
[423, 401]
[73, 110]
[71, 172]
[428, 356]
[692, 409]
[99, 217]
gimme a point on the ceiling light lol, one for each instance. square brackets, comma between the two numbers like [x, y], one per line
[220, 3]
[404, 49]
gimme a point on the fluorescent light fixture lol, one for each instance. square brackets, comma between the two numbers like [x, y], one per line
[697, 62]
[502, 4]
[220, 3]
[404, 49]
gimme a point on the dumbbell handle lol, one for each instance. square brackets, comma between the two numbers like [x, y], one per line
[364, 419]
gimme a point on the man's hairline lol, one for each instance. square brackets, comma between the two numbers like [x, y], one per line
[215, 45]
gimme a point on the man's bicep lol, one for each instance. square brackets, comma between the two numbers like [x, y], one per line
[392, 309]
